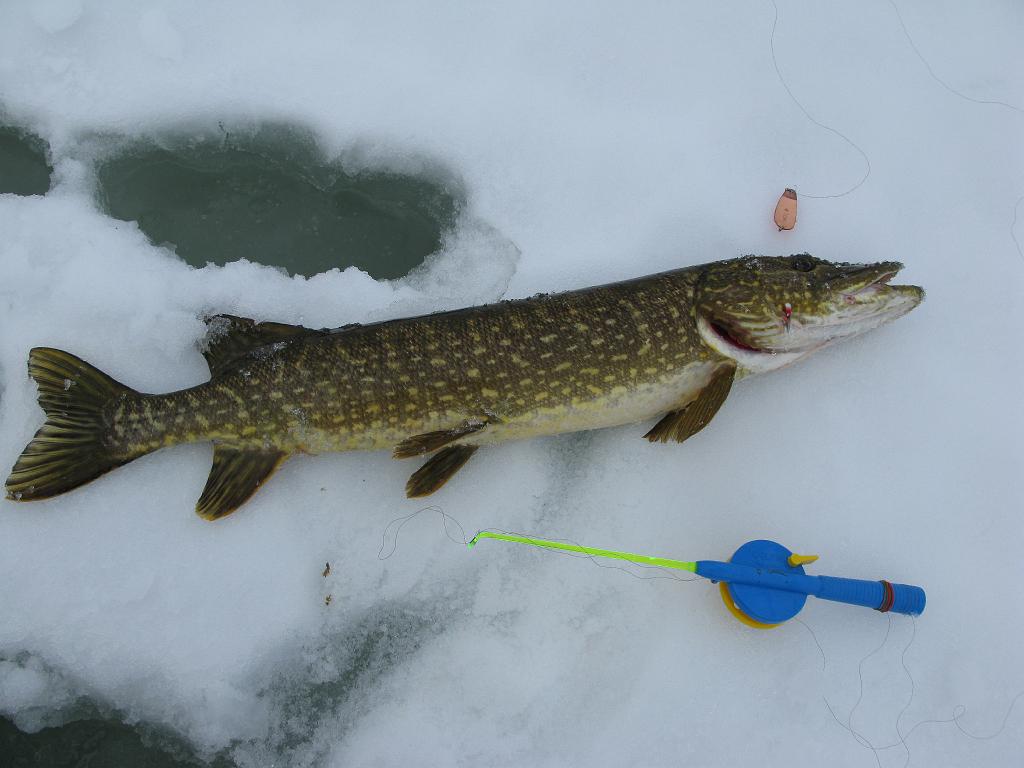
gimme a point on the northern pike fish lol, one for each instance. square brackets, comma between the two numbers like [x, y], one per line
[666, 346]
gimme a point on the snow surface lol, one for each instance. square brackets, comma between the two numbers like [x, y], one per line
[604, 142]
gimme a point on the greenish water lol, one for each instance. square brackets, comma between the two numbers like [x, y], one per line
[271, 196]
[95, 743]
[23, 166]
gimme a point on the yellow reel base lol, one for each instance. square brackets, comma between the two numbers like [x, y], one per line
[740, 615]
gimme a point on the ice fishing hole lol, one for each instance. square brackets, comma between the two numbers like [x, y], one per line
[100, 742]
[272, 196]
[24, 169]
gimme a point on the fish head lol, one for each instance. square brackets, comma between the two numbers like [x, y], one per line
[766, 312]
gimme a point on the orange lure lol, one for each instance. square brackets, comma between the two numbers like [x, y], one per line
[785, 210]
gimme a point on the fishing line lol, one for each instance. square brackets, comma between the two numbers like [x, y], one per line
[913, 688]
[665, 568]
[939, 80]
[958, 711]
[860, 694]
[859, 737]
[814, 637]
[664, 572]
[966, 97]
[848, 140]
[830, 129]
[445, 517]
[1013, 226]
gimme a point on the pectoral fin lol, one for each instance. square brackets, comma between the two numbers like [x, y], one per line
[694, 416]
[417, 445]
[439, 470]
[236, 475]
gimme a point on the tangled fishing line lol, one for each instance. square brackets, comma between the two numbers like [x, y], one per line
[456, 533]
[867, 161]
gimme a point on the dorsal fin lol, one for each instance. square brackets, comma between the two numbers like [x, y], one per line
[229, 337]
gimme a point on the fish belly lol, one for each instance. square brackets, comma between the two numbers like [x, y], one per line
[619, 406]
[616, 406]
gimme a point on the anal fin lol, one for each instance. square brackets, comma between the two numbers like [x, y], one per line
[417, 445]
[687, 421]
[439, 470]
[236, 475]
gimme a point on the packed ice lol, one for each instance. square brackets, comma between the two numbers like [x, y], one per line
[595, 142]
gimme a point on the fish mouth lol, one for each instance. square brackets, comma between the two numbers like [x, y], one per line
[862, 297]
[865, 280]
[870, 288]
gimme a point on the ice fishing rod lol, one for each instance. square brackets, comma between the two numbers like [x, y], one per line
[763, 584]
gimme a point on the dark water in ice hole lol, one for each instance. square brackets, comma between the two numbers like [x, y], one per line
[271, 197]
[24, 169]
[95, 743]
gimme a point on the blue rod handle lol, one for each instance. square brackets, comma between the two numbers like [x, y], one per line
[904, 598]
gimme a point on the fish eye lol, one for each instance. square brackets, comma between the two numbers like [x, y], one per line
[802, 264]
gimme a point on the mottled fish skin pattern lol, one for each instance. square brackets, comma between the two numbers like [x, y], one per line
[668, 345]
[591, 358]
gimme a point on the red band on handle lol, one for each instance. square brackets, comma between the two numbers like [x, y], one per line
[888, 598]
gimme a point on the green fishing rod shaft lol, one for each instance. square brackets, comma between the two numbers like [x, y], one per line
[662, 562]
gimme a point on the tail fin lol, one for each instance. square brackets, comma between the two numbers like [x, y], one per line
[73, 446]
